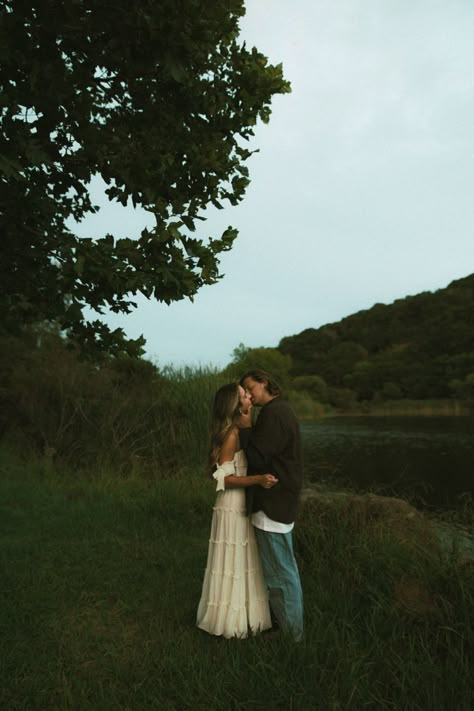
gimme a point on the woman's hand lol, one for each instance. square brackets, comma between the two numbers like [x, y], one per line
[245, 419]
[267, 481]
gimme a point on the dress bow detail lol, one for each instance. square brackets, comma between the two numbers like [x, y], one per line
[223, 470]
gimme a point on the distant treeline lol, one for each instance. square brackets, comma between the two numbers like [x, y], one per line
[121, 413]
[420, 347]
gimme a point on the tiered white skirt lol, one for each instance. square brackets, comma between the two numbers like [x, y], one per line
[234, 600]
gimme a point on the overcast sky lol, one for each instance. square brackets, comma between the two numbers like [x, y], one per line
[362, 191]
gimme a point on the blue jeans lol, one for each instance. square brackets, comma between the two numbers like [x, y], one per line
[283, 580]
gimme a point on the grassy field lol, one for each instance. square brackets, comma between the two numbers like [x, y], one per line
[100, 580]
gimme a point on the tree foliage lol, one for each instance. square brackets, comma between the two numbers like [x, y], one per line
[158, 97]
[418, 347]
[269, 359]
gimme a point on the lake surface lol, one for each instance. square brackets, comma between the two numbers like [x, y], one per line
[428, 460]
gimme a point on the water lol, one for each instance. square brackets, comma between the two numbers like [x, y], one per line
[427, 460]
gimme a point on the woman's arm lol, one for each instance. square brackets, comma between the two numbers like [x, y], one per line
[266, 481]
[227, 455]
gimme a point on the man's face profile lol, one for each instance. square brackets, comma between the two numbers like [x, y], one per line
[258, 392]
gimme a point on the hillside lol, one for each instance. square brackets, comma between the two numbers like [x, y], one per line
[420, 347]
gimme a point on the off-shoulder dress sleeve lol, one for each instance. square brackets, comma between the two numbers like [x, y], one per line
[223, 470]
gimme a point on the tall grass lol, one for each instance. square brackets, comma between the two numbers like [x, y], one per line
[101, 579]
[192, 390]
[119, 414]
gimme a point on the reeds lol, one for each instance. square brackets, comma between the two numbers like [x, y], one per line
[122, 415]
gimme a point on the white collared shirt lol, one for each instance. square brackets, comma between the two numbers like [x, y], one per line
[260, 520]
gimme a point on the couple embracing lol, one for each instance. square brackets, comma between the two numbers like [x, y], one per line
[251, 573]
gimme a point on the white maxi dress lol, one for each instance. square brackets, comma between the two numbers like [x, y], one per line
[234, 599]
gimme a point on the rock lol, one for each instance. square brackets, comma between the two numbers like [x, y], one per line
[379, 513]
[413, 595]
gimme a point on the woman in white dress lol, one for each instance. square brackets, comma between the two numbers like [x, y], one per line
[234, 600]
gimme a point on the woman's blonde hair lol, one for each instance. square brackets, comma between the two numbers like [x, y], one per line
[225, 413]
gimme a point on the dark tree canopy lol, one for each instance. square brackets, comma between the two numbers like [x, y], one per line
[158, 97]
[419, 347]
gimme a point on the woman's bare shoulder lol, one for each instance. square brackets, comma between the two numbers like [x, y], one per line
[230, 446]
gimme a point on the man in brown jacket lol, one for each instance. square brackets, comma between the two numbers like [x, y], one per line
[273, 445]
